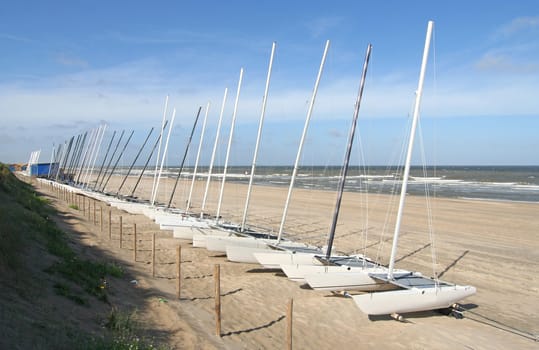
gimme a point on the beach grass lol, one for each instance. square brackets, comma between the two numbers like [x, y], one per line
[26, 225]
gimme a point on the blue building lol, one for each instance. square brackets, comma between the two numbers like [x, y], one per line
[42, 169]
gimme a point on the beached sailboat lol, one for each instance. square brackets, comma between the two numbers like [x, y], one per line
[244, 252]
[229, 234]
[417, 293]
[291, 258]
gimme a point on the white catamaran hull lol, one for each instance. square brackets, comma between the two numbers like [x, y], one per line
[246, 253]
[200, 239]
[219, 243]
[349, 278]
[188, 232]
[412, 300]
[273, 259]
[183, 223]
[298, 272]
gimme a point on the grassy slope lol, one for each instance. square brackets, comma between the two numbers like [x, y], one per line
[45, 287]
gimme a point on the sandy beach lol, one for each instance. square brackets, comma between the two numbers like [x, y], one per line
[492, 245]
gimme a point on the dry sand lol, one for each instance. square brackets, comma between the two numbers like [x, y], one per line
[492, 245]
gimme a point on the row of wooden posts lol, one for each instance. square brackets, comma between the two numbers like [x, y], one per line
[80, 202]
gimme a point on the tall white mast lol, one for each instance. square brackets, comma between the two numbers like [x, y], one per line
[259, 135]
[99, 139]
[159, 148]
[216, 142]
[198, 156]
[98, 149]
[86, 155]
[231, 135]
[298, 156]
[406, 175]
[50, 163]
[164, 155]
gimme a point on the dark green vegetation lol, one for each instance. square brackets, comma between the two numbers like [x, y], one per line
[42, 277]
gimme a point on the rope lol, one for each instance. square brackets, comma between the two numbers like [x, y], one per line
[460, 310]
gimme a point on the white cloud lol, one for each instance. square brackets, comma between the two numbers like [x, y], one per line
[518, 25]
[322, 25]
[15, 38]
[71, 61]
[502, 63]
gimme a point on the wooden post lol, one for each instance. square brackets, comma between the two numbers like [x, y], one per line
[289, 324]
[178, 270]
[121, 231]
[110, 224]
[101, 218]
[89, 211]
[135, 242]
[153, 254]
[94, 212]
[217, 277]
[83, 207]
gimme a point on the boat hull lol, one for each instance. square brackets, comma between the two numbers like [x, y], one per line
[412, 300]
[348, 279]
[274, 259]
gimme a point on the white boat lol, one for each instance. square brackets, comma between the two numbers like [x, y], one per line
[190, 232]
[335, 264]
[347, 278]
[273, 259]
[243, 254]
[247, 253]
[417, 293]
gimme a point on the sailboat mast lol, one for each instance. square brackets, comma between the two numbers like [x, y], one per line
[259, 135]
[86, 155]
[344, 170]
[298, 156]
[231, 135]
[134, 161]
[50, 163]
[198, 155]
[406, 175]
[118, 160]
[110, 161]
[154, 194]
[93, 149]
[159, 149]
[96, 154]
[61, 150]
[215, 143]
[149, 158]
[104, 160]
[184, 157]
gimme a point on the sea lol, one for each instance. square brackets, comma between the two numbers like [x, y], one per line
[500, 183]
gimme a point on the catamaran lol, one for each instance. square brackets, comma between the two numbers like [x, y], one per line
[293, 261]
[416, 293]
[242, 250]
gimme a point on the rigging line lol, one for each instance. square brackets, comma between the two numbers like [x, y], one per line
[158, 140]
[428, 203]
[395, 171]
[184, 157]
[362, 169]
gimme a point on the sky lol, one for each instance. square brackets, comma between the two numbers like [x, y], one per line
[68, 66]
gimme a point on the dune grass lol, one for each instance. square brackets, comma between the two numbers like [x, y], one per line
[25, 222]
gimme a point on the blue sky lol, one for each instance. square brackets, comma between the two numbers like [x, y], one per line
[69, 65]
